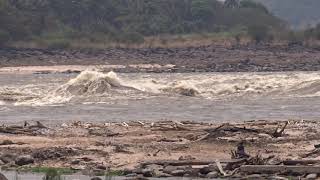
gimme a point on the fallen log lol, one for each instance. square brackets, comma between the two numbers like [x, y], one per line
[220, 168]
[9, 142]
[174, 127]
[283, 169]
[188, 162]
[9, 130]
[301, 162]
[210, 132]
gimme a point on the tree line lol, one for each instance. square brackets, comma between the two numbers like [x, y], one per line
[130, 21]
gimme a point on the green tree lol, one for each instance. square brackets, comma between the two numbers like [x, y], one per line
[253, 5]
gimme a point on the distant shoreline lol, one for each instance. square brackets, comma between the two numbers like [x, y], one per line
[208, 58]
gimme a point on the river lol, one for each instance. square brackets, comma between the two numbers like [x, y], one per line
[104, 97]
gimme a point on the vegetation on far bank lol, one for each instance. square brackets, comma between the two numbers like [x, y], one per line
[56, 173]
[57, 24]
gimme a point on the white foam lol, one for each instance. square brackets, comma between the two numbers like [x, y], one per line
[87, 83]
[98, 87]
[182, 88]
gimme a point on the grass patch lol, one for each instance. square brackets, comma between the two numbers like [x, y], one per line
[46, 170]
[114, 173]
[63, 171]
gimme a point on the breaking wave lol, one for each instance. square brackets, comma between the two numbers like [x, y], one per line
[89, 83]
[98, 87]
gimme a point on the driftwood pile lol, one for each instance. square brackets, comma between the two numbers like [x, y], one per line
[26, 129]
[251, 167]
[241, 163]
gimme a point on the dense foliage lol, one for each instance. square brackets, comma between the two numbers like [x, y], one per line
[127, 20]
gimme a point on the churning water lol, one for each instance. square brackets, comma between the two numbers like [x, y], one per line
[96, 96]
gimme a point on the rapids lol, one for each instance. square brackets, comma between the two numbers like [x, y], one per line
[91, 95]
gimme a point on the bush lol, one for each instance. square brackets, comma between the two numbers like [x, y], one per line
[4, 37]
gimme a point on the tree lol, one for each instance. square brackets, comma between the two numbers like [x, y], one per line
[253, 5]
[202, 12]
[232, 4]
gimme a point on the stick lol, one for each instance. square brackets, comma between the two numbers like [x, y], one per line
[273, 169]
[302, 162]
[220, 168]
[187, 162]
[277, 134]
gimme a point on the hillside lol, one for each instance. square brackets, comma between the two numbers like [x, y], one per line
[299, 13]
[124, 21]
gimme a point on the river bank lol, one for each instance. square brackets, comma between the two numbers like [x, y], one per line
[207, 58]
[166, 148]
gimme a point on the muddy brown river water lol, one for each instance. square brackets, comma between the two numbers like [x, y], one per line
[97, 96]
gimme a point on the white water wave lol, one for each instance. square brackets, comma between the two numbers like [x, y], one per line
[98, 87]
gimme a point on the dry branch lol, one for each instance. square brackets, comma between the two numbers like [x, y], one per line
[273, 169]
[187, 162]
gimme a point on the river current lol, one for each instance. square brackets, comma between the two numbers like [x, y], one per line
[102, 97]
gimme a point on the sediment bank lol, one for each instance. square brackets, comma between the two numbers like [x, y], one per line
[255, 149]
[208, 58]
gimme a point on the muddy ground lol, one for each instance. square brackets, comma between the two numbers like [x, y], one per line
[208, 58]
[164, 149]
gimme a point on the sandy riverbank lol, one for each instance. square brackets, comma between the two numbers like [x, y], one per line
[140, 148]
[79, 68]
[206, 58]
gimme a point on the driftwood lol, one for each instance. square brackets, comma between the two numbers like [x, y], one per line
[277, 133]
[225, 128]
[174, 127]
[301, 162]
[220, 168]
[210, 132]
[9, 142]
[188, 162]
[9, 130]
[273, 169]
[26, 129]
